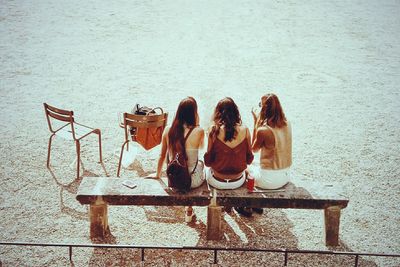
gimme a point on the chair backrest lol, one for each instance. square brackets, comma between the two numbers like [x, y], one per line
[143, 121]
[60, 115]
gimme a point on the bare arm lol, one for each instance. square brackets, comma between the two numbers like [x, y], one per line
[253, 137]
[212, 135]
[264, 138]
[249, 154]
[258, 140]
[257, 124]
[256, 120]
[208, 156]
[248, 136]
[201, 143]
[163, 153]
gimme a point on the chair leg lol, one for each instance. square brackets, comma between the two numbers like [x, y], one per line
[120, 158]
[78, 162]
[101, 157]
[48, 151]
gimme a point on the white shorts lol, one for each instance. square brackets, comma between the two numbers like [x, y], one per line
[198, 175]
[224, 185]
[270, 179]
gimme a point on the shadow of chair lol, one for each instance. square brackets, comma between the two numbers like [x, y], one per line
[151, 125]
[62, 123]
[72, 189]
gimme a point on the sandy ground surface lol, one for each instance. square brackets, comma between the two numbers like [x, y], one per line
[335, 65]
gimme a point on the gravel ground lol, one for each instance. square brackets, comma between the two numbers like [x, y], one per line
[335, 66]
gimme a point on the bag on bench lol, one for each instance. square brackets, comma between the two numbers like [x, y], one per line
[147, 137]
[179, 177]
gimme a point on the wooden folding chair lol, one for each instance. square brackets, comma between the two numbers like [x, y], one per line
[69, 130]
[140, 121]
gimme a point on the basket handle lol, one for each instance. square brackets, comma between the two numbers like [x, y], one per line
[162, 111]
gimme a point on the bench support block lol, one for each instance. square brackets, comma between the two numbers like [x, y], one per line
[214, 222]
[99, 220]
[332, 220]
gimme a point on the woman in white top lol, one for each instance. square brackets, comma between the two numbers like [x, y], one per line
[186, 119]
[273, 136]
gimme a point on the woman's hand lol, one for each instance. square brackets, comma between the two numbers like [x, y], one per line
[153, 176]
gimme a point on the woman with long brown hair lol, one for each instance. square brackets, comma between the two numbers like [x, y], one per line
[229, 147]
[273, 136]
[184, 125]
[229, 150]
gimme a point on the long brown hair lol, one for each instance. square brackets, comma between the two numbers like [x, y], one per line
[185, 114]
[227, 113]
[271, 112]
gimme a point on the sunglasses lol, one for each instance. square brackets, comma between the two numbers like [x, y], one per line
[259, 104]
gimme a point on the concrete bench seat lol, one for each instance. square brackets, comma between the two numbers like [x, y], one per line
[326, 197]
[151, 192]
[99, 192]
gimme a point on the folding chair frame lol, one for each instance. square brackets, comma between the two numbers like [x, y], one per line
[67, 116]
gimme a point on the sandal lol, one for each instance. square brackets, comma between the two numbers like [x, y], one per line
[258, 210]
[189, 215]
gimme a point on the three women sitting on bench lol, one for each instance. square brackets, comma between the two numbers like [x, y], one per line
[230, 146]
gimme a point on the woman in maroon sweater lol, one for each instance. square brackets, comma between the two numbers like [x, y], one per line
[229, 148]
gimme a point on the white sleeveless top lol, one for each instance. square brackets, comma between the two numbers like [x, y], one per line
[192, 154]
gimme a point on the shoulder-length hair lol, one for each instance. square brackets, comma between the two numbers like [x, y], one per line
[271, 112]
[226, 113]
[186, 114]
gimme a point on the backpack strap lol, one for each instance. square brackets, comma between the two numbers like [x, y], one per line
[190, 131]
[197, 161]
[184, 142]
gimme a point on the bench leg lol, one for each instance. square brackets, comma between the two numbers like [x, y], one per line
[332, 220]
[214, 222]
[99, 220]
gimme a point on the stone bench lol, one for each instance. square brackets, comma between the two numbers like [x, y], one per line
[99, 192]
[325, 197]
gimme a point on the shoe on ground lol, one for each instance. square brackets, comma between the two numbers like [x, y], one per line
[258, 210]
[190, 216]
[244, 211]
